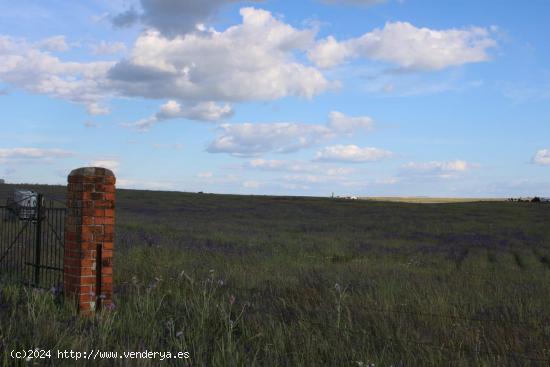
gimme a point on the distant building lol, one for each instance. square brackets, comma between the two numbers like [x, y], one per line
[347, 197]
[2, 181]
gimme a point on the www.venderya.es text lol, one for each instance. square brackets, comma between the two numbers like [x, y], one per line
[30, 354]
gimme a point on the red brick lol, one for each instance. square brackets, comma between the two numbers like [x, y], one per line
[107, 287]
[87, 263]
[106, 262]
[90, 223]
[107, 237]
[82, 229]
[109, 188]
[104, 204]
[97, 196]
[71, 236]
[72, 254]
[70, 262]
[84, 298]
[98, 229]
[84, 289]
[88, 204]
[89, 187]
[87, 280]
[88, 220]
[104, 220]
[86, 271]
[87, 307]
[76, 179]
[72, 268]
[89, 212]
[96, 179]
[88, 255]
[85, 236]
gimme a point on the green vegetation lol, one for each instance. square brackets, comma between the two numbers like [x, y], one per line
[286, 281]
[428, 200]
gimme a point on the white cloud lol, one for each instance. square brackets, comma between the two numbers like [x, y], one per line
[387, 181]
[250, 61]
[292, 186]
[354, 2]
[144, 185]
[342, 123]
[171, 17]
[449, 169]
[329, 52]
[176, 146]
[55, 43]
[107, 48]
[90, 124]
[206, 174]
[325, 177]
[295, 166]
[251, 184]
[94, 108]
[111, 164]
[259, 59]
[300, 174]
[339, 176]
[457, 165]
[279, 165]
[351, 153]
[408, 47]
[12, 154]
[542, 157]
[30, 68]
[251, 139]
[247, 139]
[338, 171]
[203, 111]
[311, 179]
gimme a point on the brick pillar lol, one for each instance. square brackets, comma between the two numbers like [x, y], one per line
[89, 236]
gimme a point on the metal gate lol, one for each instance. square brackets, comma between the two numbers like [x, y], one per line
[32, 241]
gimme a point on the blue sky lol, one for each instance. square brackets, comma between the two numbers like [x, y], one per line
[355, 97]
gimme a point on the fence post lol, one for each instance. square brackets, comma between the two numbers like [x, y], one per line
[38, 239]
[89, 238]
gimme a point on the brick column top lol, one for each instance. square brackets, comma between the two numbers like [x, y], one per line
[91, 171]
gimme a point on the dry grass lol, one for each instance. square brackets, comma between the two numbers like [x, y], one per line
[428, 200]
[283, 281]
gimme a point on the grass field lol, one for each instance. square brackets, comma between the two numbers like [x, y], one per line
[288, 281]
[428, 200]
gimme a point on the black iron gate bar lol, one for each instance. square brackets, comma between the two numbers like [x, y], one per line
[32, 246]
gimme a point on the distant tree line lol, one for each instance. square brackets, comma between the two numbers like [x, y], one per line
[535, 199]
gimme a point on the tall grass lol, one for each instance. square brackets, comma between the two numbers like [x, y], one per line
[258, 281]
